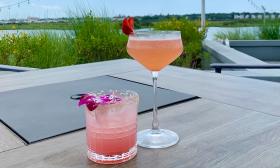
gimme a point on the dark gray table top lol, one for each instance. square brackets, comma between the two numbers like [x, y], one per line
[42, 112]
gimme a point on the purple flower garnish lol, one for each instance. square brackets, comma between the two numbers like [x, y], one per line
[92, 101]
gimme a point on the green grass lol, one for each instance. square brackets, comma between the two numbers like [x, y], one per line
[268, 31]
[95, 39]
[237, 35]
[98, 39]
[36, 26]
[236, 23]
[42, 50]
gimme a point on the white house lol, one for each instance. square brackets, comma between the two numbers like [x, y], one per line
[32, 19]
[267, 16]
[236, 16]
[260, 16]
[239, 16]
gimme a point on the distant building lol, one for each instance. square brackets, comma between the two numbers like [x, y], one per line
[267, 16]
[236, 16]
[255, 16]
[118, 18]
[20, 21]
[12, 21]
[32, 19]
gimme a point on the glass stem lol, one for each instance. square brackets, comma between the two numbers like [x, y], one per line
[155, 124]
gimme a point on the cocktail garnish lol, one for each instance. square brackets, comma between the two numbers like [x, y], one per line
[92, 101]
[128, 26]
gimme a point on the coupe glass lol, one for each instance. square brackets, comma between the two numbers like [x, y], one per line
[155, 50]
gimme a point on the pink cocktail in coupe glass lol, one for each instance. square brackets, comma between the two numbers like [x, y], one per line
[111, 129]
[155, 50]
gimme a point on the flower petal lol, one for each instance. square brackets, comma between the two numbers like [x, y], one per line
[128, 25]
[92, 101]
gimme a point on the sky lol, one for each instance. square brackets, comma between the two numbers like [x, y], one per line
[62, 8]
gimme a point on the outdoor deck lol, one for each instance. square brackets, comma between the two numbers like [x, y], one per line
[234, 124]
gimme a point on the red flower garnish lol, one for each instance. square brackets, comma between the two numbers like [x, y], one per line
[128, 26]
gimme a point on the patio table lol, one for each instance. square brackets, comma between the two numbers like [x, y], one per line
[235, 123]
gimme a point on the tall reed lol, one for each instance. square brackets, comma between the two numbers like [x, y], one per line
[270, 31]
[98, 39]
[236, 35]
[43, 50]
[94, 39]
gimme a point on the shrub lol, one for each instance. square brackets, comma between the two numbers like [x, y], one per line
[43, 50]
[192, 39]
[94, 39]
[98, 39]
[270, 31]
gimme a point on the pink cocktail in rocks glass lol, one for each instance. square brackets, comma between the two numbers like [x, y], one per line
[111, 126]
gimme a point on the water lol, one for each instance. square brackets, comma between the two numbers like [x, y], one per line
[210, 34]
[34, 32]
[213, 30]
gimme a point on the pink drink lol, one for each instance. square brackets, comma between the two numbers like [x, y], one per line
[111, 130]
[155, 52]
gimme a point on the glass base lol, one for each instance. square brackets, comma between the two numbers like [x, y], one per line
[157, 139]
[114, 159]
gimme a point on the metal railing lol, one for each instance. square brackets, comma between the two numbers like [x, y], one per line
[12, 69]
[218, 67]
[15, 68]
